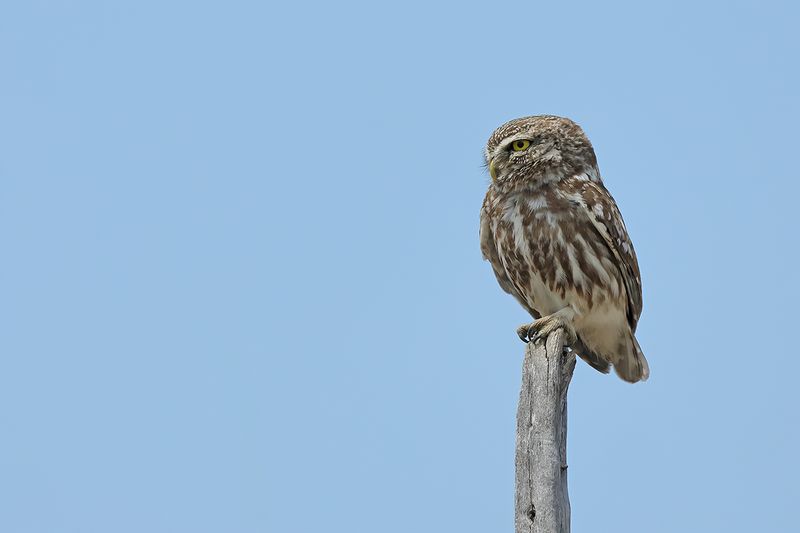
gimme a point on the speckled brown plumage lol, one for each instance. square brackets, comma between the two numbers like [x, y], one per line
[557, 242]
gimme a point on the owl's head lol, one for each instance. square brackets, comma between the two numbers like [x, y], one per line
[541, 148]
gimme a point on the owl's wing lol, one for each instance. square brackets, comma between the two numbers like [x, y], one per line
[602, 211]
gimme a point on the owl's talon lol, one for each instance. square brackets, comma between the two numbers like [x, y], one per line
[523, 332]
[540, 329]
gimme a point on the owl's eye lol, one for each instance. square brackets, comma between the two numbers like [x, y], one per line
[520, 145]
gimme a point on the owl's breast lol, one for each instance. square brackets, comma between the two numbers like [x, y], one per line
[552, 257]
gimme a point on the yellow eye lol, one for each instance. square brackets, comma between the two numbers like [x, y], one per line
[521, 145]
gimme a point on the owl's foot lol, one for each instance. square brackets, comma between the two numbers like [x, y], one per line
[546, 325]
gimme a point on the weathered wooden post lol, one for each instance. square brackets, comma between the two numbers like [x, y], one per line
[542, 501]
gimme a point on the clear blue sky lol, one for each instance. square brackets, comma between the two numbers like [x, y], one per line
[242, 289]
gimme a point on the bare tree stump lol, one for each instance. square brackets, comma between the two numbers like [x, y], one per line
[542, 500]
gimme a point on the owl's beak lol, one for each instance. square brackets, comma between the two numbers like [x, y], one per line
[492, 171]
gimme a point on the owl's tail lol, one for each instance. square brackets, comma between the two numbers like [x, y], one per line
[631, 364]
[595, 361]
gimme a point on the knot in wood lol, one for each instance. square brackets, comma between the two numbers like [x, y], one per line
[531, 513]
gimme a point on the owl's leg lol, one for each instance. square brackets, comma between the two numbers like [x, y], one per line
[540, 329]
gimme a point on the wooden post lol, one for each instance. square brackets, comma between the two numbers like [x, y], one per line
[542, 501]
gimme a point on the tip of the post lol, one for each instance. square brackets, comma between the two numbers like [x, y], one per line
[552, 348]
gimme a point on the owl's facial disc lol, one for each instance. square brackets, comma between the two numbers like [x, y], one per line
[537, 149]
[506, 153]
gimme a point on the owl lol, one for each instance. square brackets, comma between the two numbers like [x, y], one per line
[557, 243]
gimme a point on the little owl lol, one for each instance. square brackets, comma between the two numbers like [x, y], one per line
[556, 241]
